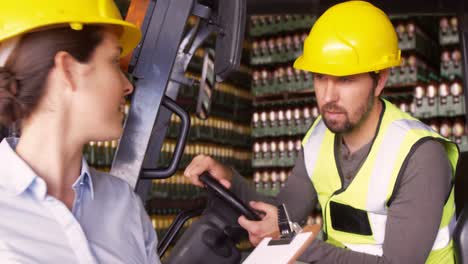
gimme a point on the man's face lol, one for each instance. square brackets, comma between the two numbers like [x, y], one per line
[344, 102]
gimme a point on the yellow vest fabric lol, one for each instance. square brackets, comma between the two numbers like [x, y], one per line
[355, 217]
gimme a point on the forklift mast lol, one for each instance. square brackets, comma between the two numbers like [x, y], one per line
[158, 66]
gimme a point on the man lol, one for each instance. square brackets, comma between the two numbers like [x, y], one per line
[382, 178]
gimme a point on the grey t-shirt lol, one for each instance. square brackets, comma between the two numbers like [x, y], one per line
[414, 214]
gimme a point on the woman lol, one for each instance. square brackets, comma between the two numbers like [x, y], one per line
[60, 79]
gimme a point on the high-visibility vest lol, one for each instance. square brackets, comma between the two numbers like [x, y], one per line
[355, 217]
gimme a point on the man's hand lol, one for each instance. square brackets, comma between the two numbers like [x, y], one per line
[202, 163]
[267, 227]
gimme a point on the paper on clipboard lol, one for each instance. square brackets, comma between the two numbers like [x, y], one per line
[280, 254]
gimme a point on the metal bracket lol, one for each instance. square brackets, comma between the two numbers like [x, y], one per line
[288, 229]
[201, 11]
[191, 42]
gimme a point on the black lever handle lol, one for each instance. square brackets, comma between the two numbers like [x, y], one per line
[175, 227]
[227, 196]
[179, 149]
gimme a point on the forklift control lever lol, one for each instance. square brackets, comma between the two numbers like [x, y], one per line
[212, 185]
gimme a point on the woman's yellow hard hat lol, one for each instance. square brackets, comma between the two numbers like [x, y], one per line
[350, 38]
[22, 16]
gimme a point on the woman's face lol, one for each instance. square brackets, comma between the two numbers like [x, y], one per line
[102, 88]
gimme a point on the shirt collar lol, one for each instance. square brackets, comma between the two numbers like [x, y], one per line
[17, 176]
[85, 178]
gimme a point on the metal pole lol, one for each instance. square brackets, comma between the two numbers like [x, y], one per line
[153, 70]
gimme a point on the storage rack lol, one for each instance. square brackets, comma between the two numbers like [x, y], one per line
[284, 101]
[428, 85]
[415, 8]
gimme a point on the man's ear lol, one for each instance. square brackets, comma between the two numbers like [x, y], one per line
[383, 77]
[67, 68]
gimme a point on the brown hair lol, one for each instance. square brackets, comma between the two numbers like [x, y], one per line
[375, 77]
[24, 77]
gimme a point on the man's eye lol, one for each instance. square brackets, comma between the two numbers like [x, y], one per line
[318, 76]
[346, 79]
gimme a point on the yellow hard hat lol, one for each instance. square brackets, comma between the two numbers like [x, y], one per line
[22, 16]
[350, 38]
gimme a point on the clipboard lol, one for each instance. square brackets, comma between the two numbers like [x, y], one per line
[285, 253]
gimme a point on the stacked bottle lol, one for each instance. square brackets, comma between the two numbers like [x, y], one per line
[100, 154]
[238, 158]
[213, 130]
[413, 70]
[283, 122]
[448, 97]
[176, 187]
[278, 152]
[451, 63]
[448, 31]
[275, 24]
[275, 50]
[279, 80]
[414, 36]
[269, 182]
[445, 99]
[283, 98]
[436, 99]
[229, 101]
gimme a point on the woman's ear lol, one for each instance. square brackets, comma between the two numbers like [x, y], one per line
[67, 68]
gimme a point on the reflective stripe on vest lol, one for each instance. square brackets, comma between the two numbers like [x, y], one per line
[316, 138]
[398, 132]
[443, 239]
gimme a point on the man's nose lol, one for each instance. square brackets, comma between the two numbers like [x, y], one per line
[330, 91]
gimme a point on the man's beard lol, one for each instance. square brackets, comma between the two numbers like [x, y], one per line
[347, 126]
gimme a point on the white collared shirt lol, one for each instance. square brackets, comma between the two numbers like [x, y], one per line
[107, 224]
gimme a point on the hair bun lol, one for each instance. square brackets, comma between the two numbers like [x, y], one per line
[10, 108]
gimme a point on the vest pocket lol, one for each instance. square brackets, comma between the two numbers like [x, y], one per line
[349, 219]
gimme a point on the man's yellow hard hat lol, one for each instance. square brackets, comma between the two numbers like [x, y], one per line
[22, 16]
[350, 38]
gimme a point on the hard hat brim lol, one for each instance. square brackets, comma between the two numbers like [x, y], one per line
[129, 37]
[302, 63]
